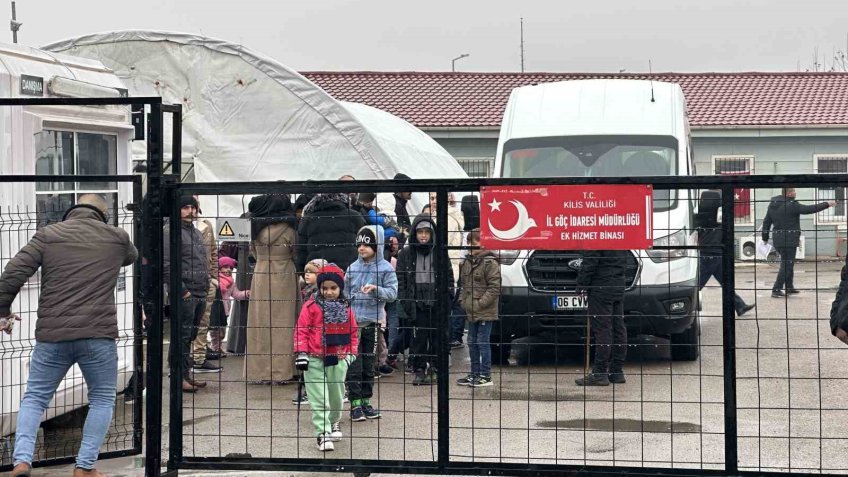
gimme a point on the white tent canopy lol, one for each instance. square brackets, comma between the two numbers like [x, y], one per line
[248, 118]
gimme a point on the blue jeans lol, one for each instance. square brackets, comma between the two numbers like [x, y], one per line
[479, 347]
[98, 361]
[457, 322]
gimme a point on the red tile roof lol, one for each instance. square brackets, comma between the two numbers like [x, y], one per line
[446, 100]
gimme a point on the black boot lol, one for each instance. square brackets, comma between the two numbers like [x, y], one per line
[616, 376]
[593, 379]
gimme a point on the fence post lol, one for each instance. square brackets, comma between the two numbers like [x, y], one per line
[728, 312]
[175, 425]
[153, 234]
[443, 352]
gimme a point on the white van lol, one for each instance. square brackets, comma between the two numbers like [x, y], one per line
[602, 128]
[66, 140]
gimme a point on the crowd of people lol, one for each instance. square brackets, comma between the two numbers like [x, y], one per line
[340, 287]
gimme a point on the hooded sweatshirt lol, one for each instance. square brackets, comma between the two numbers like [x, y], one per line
[371, 307]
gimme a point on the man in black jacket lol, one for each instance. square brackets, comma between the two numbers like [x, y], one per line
[417, 296]
[602, 277]
[194, 285]
[709, 238]
[784, 214]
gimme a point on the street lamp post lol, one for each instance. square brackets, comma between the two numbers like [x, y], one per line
[453, 61]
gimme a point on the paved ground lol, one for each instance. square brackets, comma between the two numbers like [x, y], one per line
[791, 380]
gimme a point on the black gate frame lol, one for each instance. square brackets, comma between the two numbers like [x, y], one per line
[443, 463]
[155, 117]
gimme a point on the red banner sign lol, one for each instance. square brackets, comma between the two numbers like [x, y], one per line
[600, 217]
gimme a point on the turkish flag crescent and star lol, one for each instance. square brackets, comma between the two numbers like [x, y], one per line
[564, 217]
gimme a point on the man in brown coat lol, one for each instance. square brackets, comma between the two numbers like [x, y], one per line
[80, 259]
[198, 346]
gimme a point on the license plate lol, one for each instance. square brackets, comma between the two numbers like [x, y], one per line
[570, 302]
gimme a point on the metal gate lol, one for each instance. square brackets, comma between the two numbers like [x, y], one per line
[754, 394]
[59, 437]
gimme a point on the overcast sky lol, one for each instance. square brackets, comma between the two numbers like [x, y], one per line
[560, 35]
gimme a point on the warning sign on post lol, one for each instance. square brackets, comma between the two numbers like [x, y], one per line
[598, 217]
[234, 230]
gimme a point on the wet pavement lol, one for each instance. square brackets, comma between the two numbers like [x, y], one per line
[791, 381]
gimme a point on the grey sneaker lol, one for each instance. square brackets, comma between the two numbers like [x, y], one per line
[466, 381]
[594, 379]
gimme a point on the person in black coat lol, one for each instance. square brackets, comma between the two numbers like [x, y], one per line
[784, 215]
[328, 230]
[602, 276]
[709, 238]
[417, 297]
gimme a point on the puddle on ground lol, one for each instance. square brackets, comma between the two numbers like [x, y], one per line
[624, 425]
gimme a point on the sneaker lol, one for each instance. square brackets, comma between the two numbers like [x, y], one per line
[303, 400]
[792, 291]
[409, 369]
[777, 294]
[617, 377]
[456, 344]
[594, 379]
[325, 443]
[481, 382]
[370, 412]
[386, 370]
[336, 435]
[206, 367]
[466, 381]
[345, 399]
[213, 355]
[357, 414]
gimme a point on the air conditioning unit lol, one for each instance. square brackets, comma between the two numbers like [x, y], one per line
[748, 249]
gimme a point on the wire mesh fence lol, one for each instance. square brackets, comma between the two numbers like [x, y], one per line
[669, 409]
[60, 433]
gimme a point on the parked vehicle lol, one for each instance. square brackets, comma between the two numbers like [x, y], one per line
[58, 140]
[601, 128]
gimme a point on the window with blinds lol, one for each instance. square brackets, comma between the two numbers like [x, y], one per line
[831, 164]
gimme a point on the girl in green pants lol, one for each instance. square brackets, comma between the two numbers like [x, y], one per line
[324, 339]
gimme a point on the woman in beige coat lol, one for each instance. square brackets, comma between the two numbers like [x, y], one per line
[273, 293]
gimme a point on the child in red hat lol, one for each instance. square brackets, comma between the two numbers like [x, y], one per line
[325, 338]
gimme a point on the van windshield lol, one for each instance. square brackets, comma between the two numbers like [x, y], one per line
[595, 156]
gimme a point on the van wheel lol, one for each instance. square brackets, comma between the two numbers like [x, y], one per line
[684, 346]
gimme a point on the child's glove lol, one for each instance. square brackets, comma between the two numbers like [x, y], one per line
[302, 362]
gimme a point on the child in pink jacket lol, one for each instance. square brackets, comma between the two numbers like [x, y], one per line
[226, 291]
[325, 340]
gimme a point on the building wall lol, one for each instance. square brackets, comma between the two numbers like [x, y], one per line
[771, 155]
[775, 156]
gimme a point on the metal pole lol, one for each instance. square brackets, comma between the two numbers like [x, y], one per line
[731, 450]
[175, 426]
[153, 234]
[522, 44]
[443, 327]
[138, 331]
[14, 24]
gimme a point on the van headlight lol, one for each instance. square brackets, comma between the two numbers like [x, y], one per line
[507, 257]
[677, 239]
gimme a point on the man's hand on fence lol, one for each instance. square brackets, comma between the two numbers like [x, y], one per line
[8, 322]
[842, 335]
[831, 203]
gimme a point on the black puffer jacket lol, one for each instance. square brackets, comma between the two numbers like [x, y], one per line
[328, 230]
[602, 273]
[406, 263]
[784, 214]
